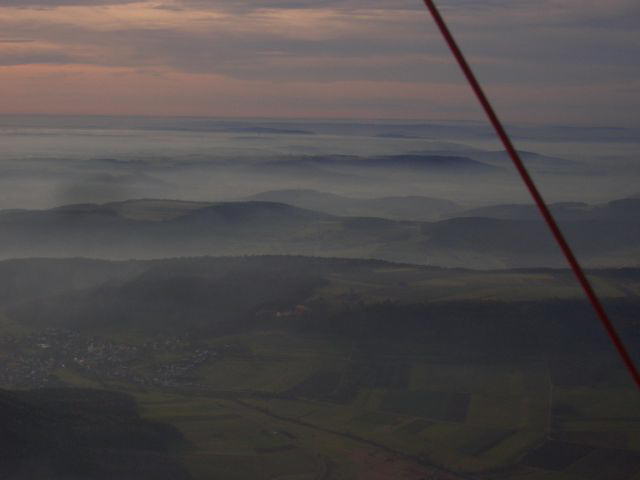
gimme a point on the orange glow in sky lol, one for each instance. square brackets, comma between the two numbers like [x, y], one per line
[355, 58]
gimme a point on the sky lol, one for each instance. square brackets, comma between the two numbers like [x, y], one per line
[545, 61]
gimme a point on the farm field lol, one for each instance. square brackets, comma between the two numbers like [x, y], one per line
[300, 414]
[364, 371]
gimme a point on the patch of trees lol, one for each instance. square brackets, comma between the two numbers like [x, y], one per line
[496, 328]
[83, 434]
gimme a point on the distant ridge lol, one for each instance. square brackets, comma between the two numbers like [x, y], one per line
[413, 162]
[413, 207]
[504, 236]
[434, 162]
[627, 209]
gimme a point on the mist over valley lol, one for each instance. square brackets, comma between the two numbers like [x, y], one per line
[196, 298]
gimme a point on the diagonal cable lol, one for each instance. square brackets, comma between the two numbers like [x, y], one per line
[535, 193]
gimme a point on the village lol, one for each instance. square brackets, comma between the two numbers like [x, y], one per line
[48, 359]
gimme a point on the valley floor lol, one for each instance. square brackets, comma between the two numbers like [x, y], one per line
[276, 405]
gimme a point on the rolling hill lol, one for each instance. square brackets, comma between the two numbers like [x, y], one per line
[417, 208]
[623, 210]
[224, 293]
[417, 163]
[156, 229]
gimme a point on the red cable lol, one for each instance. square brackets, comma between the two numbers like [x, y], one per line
[533, 190]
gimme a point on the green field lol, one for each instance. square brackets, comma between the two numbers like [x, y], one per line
[373, 371]
[273, 412]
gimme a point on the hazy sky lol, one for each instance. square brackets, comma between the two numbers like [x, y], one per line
[552, 61]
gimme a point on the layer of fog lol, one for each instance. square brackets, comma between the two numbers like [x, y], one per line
[52, 161]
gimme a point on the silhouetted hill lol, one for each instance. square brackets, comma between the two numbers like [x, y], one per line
[32, 278]
[433, 162]
[72, 434]
[427, 163]
[622, 210]
[517, 314]
[218, 295]
[251, 214]
[529, 242]
[534, 161]
[604, 235]
[417, 208]
[199, 293]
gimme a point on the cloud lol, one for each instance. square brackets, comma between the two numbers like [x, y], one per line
[295, 38]
[533, 47]
[60, 3]
[35, 57]
[346, 5]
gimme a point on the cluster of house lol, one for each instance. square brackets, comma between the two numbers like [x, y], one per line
[47, 359]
